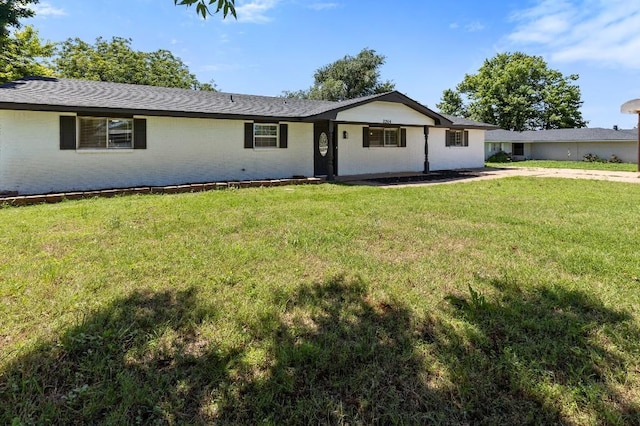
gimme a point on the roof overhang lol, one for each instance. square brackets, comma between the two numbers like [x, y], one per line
[469, 126]
[125, 112]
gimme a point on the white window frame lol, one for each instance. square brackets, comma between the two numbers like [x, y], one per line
[458, 139]
[108, 133]
[386, 131]
[276, 137]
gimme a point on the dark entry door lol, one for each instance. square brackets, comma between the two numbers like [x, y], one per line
[518, 149]
[321, 148]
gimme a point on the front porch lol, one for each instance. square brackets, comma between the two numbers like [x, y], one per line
[408, 178]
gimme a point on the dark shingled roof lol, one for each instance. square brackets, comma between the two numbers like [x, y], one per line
[464, 122]
[60, 94]
[585, 134]
[69, 93]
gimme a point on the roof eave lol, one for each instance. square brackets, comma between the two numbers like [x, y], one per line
[146, 112]
[471, 126]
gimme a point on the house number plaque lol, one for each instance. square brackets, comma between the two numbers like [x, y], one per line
[323, 144]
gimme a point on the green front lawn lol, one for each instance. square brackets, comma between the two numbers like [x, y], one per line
[584, 165]
[507, 301]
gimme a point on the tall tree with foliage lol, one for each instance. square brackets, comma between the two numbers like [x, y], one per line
[117, 62]
[228, 7]
[24, 54]
[11, 11]
[517, 92]
[347, 78]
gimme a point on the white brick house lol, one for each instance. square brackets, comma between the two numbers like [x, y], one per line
[64, 135]
[564, 144]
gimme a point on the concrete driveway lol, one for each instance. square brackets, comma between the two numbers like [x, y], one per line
[629, 177]
[494, 173]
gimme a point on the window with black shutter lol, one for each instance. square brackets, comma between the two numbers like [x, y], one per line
[459, 138]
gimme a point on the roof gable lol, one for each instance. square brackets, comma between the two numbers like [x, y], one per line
[331, 112]
[383, 112]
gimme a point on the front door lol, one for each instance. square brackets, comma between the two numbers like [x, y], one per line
[321, 148]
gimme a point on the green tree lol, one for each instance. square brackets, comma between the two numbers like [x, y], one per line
[202, 6]
[25, 54]
[452, 104]
[11, 11]
[347, 78]
[117, 62]
[517, 92]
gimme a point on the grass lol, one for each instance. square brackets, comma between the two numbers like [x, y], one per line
[583, 165]
[493, 302]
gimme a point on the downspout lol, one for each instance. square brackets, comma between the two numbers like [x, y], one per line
[330, 176]
[426, 149]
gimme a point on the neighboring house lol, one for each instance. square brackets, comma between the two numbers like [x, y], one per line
[62, 135]
[564, 144]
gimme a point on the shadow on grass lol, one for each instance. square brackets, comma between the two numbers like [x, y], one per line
[333, 355]
[341, 358]
[137, 361]
[544, 355]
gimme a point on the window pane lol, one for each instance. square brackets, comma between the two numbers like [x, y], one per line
[93, 133]
[455, 138]
[266, 142]
[518, 149]
[376, 136]
[120, 134]
[265, 135]
[391, 137]
[458, 138]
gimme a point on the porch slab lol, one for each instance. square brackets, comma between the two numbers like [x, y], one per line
[410, 178]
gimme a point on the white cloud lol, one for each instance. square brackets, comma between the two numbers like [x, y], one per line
[323, 6]
[602, 31]
[255, 11]
[471, 27]
[47, 9]
[474, 27]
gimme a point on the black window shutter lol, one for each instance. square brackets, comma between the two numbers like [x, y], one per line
[67, 132]
[248, 135]
[466, 138]
[284, 134]
[447, 138]
[403, 138]
[139, 133]
[365, 137]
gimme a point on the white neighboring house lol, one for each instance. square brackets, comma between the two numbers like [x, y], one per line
[64, 135]
[564, 144]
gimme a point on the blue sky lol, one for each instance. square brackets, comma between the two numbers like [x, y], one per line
[277, 45]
